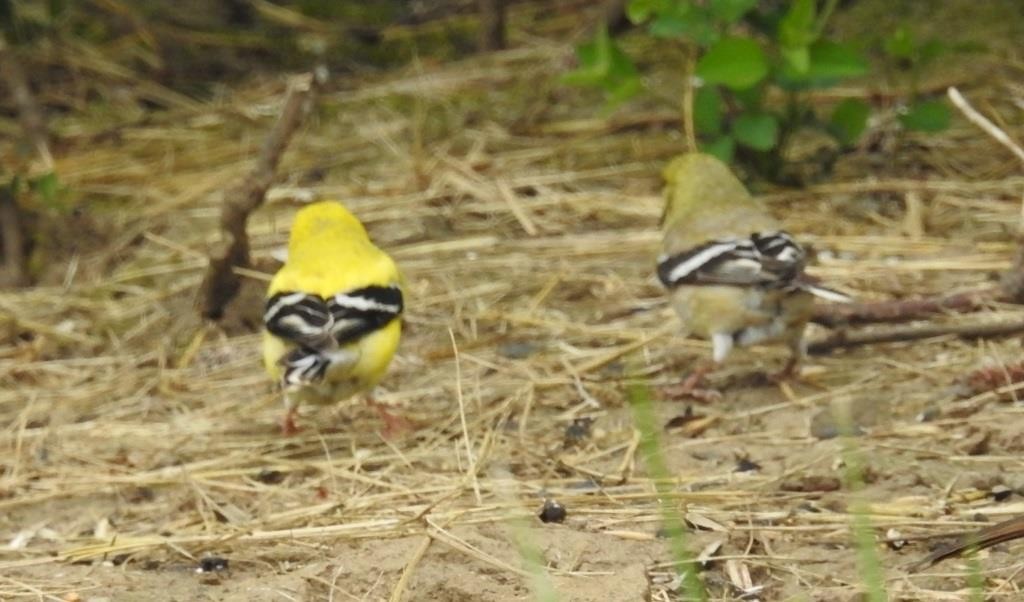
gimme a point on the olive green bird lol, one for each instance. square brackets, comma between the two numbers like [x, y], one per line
[734, 276]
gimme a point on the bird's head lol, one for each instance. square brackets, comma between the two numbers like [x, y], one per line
[696, 181]
[325, 218]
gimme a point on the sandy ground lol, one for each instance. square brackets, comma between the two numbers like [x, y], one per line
[136, 441]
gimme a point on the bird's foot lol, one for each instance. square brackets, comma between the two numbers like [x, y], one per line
[690, 387]
[789, 372]
[394, 425]
[288, 426]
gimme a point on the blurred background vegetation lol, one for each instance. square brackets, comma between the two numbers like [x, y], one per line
[782, 88]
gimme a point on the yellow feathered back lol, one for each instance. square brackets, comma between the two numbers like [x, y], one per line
[329, 251]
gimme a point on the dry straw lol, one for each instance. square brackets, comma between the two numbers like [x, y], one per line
[137, 436]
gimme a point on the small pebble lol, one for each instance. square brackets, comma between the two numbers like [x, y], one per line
[1001, 493]
[894, 539]
[747, 465]
[270, 477]
[212, 564]
[578, 431]
[517, 350]
[552, 512]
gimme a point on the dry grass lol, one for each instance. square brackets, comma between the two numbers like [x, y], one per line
[137, 440]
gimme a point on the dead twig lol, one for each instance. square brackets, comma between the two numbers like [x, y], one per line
[1007, 530]
[615, 18]
[221, 283]
[913, 333]
[492, 24]
[905, 310]
[1013, 280]
[13, 267]
[31, 118]
[983, 122]
[33, 124]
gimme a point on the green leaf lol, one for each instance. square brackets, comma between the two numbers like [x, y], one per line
[56, 8]
[730, 11]
[685, 20]
[798, 58]
[49, 189]
[931, 50]
[900, 44]
[832, 60]
[849, 120]
[737, 63]
[707, 110]
[927, 116]
[797, 26]
[759, 131]
[638, 11]
[722, 148]
[604, 65]
[751, 99]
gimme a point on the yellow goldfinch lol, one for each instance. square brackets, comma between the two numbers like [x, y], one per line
[332, 314]
[734, 276]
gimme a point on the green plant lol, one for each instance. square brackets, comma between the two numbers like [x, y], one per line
[909, 57]
[748, 52]
[651, 451]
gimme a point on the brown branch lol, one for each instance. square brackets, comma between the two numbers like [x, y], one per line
[13, 271]
[1007, 530]
[615, 18]
[492, 24]
[836, 315]
[913, 333]
[1012, 281]
[33, 123]
[220, 285]
[12, 218]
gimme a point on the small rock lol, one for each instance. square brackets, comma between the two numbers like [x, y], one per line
[578, 431]
[517, 350]
[746, 465]
[811, 483]
[1001, 493]
[270, 477]
[552, 512]
[894, 539]
[212, 564]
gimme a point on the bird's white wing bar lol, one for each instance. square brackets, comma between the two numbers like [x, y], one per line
[303, 366]
[358, 312]
[733, 261]
[298, 317]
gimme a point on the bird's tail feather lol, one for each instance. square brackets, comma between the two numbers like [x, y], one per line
[827, 294]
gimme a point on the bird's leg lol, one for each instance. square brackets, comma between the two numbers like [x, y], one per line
[721, 345]
[393, 425]
[288, 426]
[690, 387]
[798, 350]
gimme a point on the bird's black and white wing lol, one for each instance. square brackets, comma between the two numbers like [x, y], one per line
[729, 261]
[768, 259]
[786, 258]
[359, 312]
[299, 317]
[303, 366]
[780, 254]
